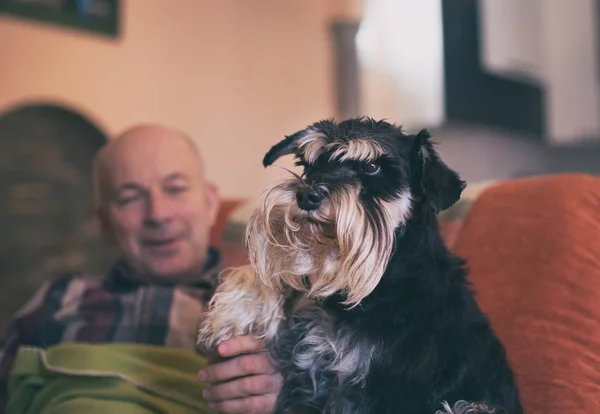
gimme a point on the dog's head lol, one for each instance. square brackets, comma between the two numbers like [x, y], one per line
[333, 229]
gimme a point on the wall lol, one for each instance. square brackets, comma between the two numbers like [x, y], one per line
[236, 75]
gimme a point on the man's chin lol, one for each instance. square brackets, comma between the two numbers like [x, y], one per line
[173, 273]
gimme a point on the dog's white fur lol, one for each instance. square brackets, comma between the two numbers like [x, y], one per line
[314, 143]
[336, 247]
[465, 407]
[240, 306]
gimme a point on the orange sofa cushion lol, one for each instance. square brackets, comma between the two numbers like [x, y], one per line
[232, 254]
[533, 247]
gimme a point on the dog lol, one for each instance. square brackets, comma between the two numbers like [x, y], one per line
[359, 302]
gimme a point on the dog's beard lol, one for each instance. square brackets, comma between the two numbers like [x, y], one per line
[341, 247]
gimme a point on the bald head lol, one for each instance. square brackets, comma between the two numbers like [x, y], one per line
[131, 144]
[153, 200]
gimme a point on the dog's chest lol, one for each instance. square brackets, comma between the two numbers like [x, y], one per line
[323, 346]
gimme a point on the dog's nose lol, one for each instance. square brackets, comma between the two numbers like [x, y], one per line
[308, 199]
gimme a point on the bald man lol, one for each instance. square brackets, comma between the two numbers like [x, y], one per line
[154, 203]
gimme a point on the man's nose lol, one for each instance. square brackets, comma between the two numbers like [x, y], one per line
[158, 210]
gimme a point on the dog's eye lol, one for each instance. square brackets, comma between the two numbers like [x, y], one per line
[370, 168]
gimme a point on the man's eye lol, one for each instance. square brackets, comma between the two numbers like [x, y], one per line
[128, 199]
[175, 190]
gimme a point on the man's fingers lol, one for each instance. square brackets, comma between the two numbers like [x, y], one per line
[237, 367]
[244, 387]
[258, 404]
[240, 345]
[246, 381]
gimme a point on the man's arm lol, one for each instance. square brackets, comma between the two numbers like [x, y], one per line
[246, 382]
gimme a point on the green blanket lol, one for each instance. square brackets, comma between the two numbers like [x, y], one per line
[105, 378]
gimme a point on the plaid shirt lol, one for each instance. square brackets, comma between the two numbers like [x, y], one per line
[88, 308]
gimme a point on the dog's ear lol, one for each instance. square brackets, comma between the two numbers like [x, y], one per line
[284, 147]
[436, 181]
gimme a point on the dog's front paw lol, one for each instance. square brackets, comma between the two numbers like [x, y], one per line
[211, 332]
[241, 305]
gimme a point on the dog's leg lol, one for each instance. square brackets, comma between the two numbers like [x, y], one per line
[241, 305]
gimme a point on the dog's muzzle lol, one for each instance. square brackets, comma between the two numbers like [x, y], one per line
[309, 198]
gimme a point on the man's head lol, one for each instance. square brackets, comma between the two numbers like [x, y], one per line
[154, 203]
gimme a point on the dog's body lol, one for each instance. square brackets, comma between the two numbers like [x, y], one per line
[360, 303]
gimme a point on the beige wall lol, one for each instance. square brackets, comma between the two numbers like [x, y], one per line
[235, 74]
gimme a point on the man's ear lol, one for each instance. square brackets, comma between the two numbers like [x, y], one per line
[436, 182]
[284, 147]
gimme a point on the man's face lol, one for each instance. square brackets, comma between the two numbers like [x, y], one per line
[159, 209]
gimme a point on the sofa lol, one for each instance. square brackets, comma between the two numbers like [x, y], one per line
[533, 250]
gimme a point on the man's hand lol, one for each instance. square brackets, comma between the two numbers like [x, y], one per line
[245, 382]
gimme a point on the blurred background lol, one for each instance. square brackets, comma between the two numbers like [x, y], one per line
[509, 88]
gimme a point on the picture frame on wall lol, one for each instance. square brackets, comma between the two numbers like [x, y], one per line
[100, 17]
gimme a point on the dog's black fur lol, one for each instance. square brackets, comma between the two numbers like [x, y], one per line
[431, 342]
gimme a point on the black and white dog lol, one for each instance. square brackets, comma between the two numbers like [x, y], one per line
[360, 303]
